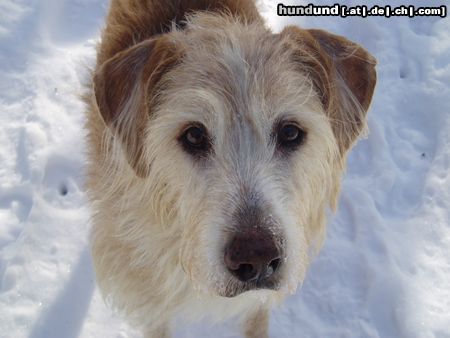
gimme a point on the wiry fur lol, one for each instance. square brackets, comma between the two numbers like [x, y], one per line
[161, 217]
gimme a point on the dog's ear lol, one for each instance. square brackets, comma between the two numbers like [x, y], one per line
[344, 75]
[124, 88]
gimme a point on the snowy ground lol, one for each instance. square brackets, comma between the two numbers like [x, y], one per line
[385, 267]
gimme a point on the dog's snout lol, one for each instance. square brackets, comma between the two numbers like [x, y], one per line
[254, 255]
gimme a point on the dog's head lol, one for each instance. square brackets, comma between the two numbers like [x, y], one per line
[236, 138]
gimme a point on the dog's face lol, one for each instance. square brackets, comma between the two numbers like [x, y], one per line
[237, 139]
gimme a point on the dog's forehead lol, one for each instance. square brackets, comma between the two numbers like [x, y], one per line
[242, 75]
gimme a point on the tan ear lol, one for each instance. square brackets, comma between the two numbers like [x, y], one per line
[124, 87]
[344, 75]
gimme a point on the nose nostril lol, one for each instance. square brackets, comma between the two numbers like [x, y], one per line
[245, 272]
[273, 267]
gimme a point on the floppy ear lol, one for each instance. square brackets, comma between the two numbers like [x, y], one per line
[344, 75]
[124, 87]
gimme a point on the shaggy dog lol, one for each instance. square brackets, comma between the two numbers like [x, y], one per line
[215, 147]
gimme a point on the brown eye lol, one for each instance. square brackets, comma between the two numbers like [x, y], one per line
[290, 136]
[195, 140]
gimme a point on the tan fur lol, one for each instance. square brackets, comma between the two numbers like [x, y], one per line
[338, 65]
[257, 324]
[132, 21]
[160, 217]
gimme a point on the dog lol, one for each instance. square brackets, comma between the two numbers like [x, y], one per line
[215, 149]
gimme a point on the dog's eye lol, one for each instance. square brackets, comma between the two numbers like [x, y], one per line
[195, 140]
[290, 136]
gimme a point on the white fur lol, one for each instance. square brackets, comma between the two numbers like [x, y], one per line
[158, 241]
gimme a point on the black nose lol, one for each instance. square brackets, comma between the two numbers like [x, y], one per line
[253, 255]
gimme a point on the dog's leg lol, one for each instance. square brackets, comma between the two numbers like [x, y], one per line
[256, 325]
[162, 331]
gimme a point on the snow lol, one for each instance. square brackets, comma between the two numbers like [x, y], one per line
[385, 267]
